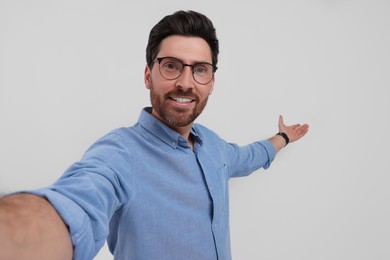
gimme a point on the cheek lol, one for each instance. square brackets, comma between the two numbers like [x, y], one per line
[156, 82]
[159, 88]
[205, 92]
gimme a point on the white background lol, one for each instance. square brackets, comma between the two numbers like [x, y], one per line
[70, 71]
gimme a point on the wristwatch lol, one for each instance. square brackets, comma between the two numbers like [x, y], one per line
[284, 136]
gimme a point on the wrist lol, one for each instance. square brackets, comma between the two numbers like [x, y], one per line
[285, 137]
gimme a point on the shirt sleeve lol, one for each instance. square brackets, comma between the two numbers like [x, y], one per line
[89, 193]
[243, 160]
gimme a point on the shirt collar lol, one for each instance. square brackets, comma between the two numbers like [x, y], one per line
[163, 132]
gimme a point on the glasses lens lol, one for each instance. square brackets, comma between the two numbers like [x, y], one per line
[203, 73]
[170, 68]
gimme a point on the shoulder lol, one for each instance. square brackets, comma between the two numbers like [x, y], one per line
[117, 139]
[120, 134]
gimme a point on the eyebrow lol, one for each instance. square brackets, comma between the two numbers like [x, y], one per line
[192, 63]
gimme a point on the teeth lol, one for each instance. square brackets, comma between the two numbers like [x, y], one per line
[182, 100]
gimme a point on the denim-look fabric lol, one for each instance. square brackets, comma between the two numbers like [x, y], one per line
[152, 196]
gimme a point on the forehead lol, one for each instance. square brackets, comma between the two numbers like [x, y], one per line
[189, 49]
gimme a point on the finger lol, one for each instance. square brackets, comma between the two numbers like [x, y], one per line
[303, 130]
[280, 123]
[295, 126]
[304, 127]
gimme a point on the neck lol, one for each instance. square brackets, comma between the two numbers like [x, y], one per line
[182, 130]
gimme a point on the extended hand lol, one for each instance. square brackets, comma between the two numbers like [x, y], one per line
[294, 132]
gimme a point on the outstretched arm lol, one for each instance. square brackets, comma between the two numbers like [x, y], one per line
[293, 132]
[30, 228]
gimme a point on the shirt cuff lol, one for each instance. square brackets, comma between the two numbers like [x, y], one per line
[270, 150]
[75, 218]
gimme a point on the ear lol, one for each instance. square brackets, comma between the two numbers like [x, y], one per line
[147, 77]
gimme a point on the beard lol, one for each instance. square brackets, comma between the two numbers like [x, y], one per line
[175, 116]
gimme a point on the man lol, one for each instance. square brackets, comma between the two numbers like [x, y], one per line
[156, 190]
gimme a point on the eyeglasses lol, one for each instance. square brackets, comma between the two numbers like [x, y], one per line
[171, 68]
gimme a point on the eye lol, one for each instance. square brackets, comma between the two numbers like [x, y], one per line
[171, 65]
[201, 69]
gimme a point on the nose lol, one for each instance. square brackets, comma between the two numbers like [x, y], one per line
[186, 80]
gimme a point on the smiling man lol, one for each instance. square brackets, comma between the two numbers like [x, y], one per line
[155, 190]
[179, 90]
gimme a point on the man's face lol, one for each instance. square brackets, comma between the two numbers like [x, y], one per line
[179, 102]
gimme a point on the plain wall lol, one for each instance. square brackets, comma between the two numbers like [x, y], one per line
[70, 71]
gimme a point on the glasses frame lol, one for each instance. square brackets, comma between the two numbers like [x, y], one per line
[184, 65]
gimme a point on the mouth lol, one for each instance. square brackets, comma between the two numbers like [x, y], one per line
[182, 100]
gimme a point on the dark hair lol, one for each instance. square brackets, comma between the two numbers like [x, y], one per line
[186, 23]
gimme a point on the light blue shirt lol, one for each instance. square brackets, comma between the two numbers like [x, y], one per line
[151, 196]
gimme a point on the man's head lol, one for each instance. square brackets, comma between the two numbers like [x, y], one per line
[182, 23]
[181, 56]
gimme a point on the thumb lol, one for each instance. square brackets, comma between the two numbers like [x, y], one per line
[280, 123]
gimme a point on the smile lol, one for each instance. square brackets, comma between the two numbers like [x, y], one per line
[182, 100]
